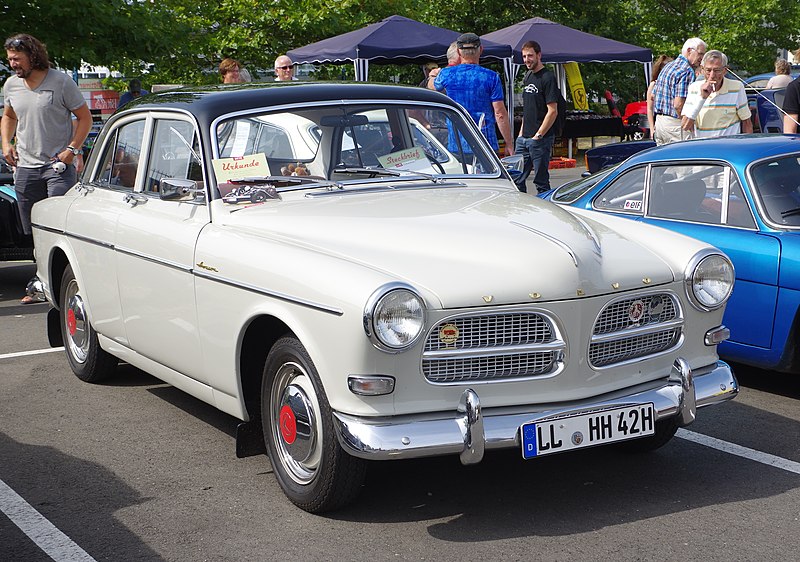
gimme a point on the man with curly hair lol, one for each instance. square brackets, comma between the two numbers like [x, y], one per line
[38, 135]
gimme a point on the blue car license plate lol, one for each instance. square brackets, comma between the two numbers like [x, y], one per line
[586, 430]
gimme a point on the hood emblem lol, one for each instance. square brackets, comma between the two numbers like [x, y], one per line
[646, 281]
[488, 298]
[534, 295]
[448, 334]
[636, 311]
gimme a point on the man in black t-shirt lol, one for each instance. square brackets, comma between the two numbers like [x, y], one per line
[791, 106]
[539, 112]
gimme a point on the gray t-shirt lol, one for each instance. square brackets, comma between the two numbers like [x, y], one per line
[44, 116]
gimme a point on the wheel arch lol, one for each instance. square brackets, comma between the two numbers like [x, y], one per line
[58, 263]
[258, 338]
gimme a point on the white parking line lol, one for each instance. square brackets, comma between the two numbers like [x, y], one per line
[53, 542]
[739, 451]
[33, 352]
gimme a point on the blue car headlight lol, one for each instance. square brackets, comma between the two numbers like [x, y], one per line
[709, 280]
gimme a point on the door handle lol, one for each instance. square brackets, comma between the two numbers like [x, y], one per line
[134, 199]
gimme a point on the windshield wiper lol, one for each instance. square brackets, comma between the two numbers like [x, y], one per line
[790, 212]
[286, 181]
[374, 172]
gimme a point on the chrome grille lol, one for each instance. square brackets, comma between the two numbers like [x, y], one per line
[616, 316]
[635, 327]
[606, 353]
[491, 347]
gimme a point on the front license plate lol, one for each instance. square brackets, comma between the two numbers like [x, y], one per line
[587, 430]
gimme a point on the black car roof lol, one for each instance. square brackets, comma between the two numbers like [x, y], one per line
[208, 103]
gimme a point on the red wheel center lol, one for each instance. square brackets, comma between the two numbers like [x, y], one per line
[288, 425]
[72, 324]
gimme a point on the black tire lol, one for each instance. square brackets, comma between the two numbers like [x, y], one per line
[87, 359]
[665, 431]
[315, 473]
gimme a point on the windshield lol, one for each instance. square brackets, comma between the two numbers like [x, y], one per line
[341, 142]
[777, 184]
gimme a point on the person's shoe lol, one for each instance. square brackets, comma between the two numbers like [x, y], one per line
[28, 299]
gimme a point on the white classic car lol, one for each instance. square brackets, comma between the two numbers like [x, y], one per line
[383, 301]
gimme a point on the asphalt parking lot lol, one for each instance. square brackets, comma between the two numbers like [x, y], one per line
[134, 469]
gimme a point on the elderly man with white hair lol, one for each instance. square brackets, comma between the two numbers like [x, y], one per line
[716, 106]
[284, 69]
[671, 89]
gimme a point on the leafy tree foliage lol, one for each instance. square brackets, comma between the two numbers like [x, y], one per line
[113, 33]
[183, 41]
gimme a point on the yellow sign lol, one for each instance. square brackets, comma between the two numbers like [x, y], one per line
[576, 88]
[227, 169]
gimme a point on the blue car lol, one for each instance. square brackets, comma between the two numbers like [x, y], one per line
[741, 194]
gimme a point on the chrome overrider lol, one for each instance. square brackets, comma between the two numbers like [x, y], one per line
[468, 431]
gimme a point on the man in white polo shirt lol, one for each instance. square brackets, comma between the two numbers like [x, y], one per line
[716, 106]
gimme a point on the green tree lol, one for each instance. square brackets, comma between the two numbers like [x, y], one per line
[111, 33]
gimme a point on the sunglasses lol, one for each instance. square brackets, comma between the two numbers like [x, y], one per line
[14, 44]
[283, 67]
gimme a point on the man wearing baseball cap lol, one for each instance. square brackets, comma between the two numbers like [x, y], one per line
[479, 90]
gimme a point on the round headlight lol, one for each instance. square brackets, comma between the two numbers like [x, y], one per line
[396, 319]
[710, 282]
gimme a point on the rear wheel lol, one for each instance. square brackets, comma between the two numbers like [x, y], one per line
[315, 473]
[88, 360]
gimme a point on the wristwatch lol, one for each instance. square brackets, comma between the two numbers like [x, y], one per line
[537, 136]
[73, 150]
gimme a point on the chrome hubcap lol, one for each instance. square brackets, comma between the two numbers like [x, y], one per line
[77, 324]
[295, 427]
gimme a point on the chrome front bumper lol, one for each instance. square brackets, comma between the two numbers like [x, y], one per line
[468, 431]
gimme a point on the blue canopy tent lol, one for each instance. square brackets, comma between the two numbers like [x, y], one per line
[394, 40]
[562, 44]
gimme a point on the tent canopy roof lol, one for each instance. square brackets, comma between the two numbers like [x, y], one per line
[563, 44]
[395, 39]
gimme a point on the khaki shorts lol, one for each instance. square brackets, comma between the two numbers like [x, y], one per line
[668, 129]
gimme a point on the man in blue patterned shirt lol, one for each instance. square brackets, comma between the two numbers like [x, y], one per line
[671, 89]
[479, 90]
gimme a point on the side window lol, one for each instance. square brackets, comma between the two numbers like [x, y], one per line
[738, 208]
[174, 153]
[625, 195]
[688, 193]
[120, 159]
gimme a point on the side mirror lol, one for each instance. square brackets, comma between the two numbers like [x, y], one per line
[174, 189]
[513, 165]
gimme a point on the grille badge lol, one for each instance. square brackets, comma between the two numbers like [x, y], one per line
[636, 311]
[448, 334]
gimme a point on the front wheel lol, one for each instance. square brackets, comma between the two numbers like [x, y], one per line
[88, 360]
[315, 473]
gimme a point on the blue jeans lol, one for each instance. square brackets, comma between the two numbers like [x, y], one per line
[536, 157]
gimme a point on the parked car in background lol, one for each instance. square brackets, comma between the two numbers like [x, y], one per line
[741, 194]
[14, 245]
[760, 80]
[389, 304]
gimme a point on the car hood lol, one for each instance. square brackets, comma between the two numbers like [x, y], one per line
[470, 247]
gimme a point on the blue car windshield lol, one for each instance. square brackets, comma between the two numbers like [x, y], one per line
[574, 190]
